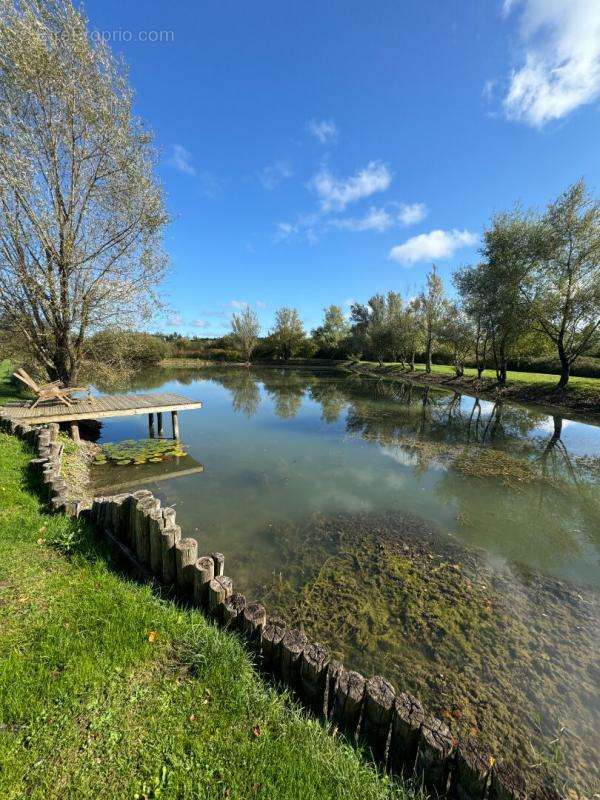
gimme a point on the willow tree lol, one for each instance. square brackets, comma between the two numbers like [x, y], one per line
[81, 214]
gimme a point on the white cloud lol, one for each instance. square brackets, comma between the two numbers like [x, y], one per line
[335, 194]
[274, 174]
[413, 213]
[261, 304]
[560, 68]
[201, 323]
[382, 219]
[433, 245]
[325, 130]
[238, 304]
[182, 160]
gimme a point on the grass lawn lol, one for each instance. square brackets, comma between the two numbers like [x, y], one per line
[108, 691]
[7, 390]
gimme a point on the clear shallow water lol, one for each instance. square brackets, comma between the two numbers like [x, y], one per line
[279, 446]
[450, 544]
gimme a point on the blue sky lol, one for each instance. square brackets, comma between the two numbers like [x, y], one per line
[319, 152]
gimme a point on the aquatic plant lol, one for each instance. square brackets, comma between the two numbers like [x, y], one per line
[140, 451]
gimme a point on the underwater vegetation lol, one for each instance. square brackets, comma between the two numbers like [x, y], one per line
[140, 451]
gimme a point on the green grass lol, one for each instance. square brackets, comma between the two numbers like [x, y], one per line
[537, 381]
[8, 391]
[107, 691]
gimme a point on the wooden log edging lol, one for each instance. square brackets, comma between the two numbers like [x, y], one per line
[396, 731]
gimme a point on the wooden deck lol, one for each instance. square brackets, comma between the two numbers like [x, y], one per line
[114, 405]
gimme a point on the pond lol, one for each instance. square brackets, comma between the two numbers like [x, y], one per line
[449, 543]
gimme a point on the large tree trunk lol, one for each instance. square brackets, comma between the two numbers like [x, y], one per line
[428, 352]
[565, 366]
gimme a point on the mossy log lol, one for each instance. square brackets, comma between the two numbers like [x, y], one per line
[472, 771]
[219, 589]
[219, 562]
[507, 782]
[254, 618]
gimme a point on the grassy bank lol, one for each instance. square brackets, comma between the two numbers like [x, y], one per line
[581, 396]
[108, 691]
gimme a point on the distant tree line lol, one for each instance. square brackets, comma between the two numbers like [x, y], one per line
[535, 293]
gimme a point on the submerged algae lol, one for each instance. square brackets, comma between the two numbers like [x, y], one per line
[502, 654]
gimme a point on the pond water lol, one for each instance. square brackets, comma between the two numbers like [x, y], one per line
[449, 543]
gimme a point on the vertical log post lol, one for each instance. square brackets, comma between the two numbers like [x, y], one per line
[155, 527]
[186, 555]
[159, 424]
[219, 589]
[233, 609]
[348, 701]
[273, 633]
[377, 716]
[175, 424]
[169, 538]
[433, 757]
[292, 645]
[219, 561]
[145, 508]
[407, 719]
[204, 572]
[472, 771]
[75, 432]
[151, 426]
[507, 782]
[254, 619]
[314, 662]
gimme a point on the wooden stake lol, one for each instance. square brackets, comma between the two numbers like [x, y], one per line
[169, 538]
[472, 771]
[219, 589]
[219, 560]
[151, 426]
[273, 633]
[433, 757]
[507, 782]
[254, 619]
[75, 432]
[233, 609]
[186, 554]
[377, 716]
[314, 662]
[204, 572]
[407, 719]
[348, 701]
[175, 424]
[292, 645]
[159, 424]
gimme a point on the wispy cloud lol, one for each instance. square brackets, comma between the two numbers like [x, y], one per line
[382, 219]
[274, 174]
[201, 323]
[436, 244]
[336, 193]
[325, 130]
[560, 59]
[181, 159]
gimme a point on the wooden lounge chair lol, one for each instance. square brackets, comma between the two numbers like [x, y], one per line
[49, 391]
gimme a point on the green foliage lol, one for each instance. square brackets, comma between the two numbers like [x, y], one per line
[245, 330]
[288, 338]
[331, 337]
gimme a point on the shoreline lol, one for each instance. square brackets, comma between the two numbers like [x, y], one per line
[553, 401]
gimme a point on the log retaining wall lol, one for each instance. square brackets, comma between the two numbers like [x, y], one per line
[396, 731]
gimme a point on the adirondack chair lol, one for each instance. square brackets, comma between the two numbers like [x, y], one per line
[49, 391]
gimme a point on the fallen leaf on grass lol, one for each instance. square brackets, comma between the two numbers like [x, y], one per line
[152, 636]
[256, 731]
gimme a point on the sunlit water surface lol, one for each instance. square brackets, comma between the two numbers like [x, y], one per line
[305, 472]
